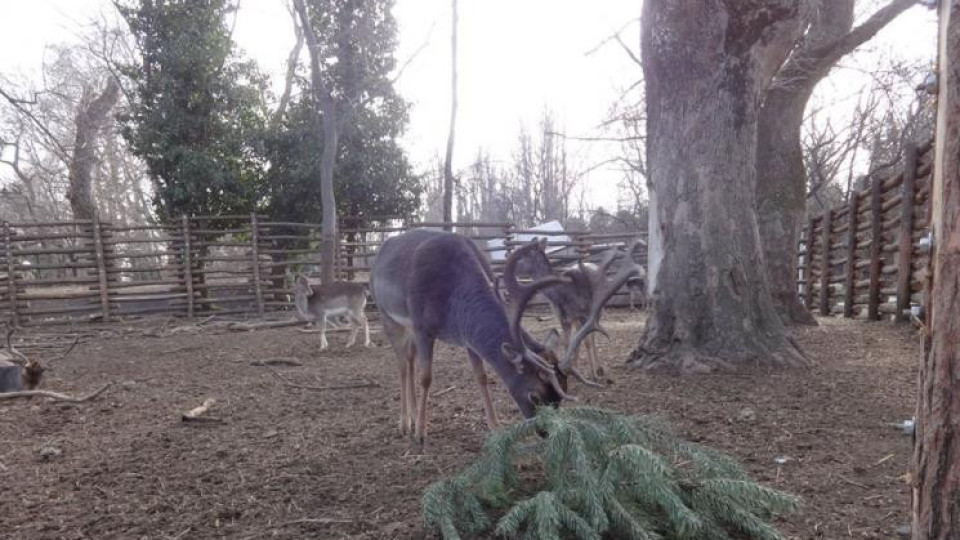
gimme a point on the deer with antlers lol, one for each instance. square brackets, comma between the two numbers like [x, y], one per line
[432, 285]
[17, 371]
[578, 303]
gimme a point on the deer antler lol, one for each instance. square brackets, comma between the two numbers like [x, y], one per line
[23, 358]
[603, 290]
[520, 295]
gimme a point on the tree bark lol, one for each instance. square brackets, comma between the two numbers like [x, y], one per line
[448, 160]
[326, 119]
[781, 177]
[936, 458]
[703, 71]
[90, 120]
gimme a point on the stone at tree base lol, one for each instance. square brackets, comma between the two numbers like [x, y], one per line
[10, 380]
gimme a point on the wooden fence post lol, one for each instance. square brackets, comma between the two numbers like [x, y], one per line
[808, 287]
[905, 252]
[849, 292]
[876, 245]
[101, 261]
[825, 257]
[188, 265]
[11, 274]
[255, 255]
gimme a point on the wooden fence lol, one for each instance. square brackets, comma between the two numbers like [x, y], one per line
[62, 272]
[864, 258]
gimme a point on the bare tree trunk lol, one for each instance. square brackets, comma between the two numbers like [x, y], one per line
[448, 160]
[90, 121]
[326, 121]
[654, 241]
[703, 72]
[781, 178]
[936, 457]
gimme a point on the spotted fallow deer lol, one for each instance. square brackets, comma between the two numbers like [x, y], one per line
[578, 303]
[341, 298]
[431, 285]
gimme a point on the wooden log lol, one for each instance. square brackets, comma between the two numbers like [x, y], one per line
[876, 221]
[825, 273]
[187, 265]
[811, 267]
[905, 247]
[11, 275]
[851, 273]
[255, 263]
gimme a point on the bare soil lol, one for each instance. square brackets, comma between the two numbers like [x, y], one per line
[297, 463]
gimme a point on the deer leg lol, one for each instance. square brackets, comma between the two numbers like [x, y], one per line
[354, 329]
[594, 356]
[481, 374]
[366, 330]
[425, 376]
[403, 348]
[323, 332]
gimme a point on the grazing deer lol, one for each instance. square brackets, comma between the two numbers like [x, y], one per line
[340, 298]
[17, 372]
[578, 303]
[432, 285]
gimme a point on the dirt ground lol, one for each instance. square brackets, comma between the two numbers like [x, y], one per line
[297, 463]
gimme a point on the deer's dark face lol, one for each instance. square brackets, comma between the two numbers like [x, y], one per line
[535, 264]
[32, 374]
[532, 387]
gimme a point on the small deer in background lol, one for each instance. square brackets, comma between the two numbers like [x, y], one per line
[341, 298]
[578, 303]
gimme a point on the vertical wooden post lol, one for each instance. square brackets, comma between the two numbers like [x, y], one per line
[255, 255]
[849, 293]
[101, 261]
[11, 274]
[808, 287]
[876, 245]
[188, 265]
[905, 253]
[825, 257]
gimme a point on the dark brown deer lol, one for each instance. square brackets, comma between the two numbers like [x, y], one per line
[431, 285]
[581, 299]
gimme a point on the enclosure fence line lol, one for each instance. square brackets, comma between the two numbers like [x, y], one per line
[866, 258]
[230, 265]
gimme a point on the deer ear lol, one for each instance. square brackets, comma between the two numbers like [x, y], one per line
[304, 283]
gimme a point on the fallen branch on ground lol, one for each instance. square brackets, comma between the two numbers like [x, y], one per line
[242, 327]
[288, 382]
[278, 361]
[54, 395]
[196, 414]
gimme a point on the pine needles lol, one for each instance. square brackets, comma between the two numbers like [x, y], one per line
[598, 474]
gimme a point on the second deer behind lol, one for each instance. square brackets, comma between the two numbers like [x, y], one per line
[341, 298]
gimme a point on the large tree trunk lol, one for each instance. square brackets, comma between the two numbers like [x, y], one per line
[781, 178]
[936, 458]
[326, 121]
[448, 159]
[712, 307]
[90, 120]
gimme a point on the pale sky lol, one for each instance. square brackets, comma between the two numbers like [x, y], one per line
[517, 58]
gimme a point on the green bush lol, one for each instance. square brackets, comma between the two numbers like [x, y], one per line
[598, 474]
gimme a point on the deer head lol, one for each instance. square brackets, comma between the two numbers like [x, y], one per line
[32, 370]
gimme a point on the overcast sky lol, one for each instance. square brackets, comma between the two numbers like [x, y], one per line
[517, 58]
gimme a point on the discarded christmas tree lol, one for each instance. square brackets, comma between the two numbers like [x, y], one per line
[598, 474]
